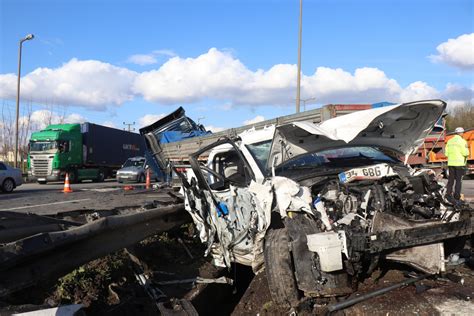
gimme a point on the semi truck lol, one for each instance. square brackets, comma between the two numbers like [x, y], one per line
[84, 151]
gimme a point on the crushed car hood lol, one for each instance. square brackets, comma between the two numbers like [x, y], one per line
[400, 128]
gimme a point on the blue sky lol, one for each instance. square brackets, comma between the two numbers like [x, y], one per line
[229, 61]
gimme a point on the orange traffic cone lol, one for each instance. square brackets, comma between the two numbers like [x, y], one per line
[148, 181]
[67, 186]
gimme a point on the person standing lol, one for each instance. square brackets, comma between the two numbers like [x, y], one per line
[457, 153]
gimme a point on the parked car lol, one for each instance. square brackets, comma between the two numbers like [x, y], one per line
[134, 170]
[320, 205]
[10, 177]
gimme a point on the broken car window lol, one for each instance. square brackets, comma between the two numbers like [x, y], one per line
[338, 158]
[260, 152]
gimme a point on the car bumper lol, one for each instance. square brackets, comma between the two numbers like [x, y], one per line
[50, 178]
[410, 237]
[127, 177]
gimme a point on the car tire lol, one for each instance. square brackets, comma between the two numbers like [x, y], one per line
[279, 268]
[8, 185]
[101, 176]
[141, 178]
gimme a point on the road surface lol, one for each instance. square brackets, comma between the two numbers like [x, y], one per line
[47, 199]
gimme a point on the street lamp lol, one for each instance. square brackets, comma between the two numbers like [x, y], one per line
[27, 38]
[298, 80]
[306, 100]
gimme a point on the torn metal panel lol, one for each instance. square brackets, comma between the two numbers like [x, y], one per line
[291, 196]
[427, 258]
[50, 255]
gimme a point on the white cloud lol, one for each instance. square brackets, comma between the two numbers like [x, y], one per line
[74, 118]
[256, 119]
[456, 95]
[149, 119]
[215, 75]
[164, 52]
[457, 52]
[214, 129]
[218, 75]
[151, 58]
[109, 124]
[142, 59]
[41, 118]
[418, 91]
[86, 83]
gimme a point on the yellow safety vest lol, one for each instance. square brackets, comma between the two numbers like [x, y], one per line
[457, 151]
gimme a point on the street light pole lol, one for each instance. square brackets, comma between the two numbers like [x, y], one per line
[298, 80]
[306, 100]
[27, 38]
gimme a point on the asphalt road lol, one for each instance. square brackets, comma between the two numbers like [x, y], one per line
[47, 199]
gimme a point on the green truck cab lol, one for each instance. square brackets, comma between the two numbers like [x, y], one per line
[84, 151]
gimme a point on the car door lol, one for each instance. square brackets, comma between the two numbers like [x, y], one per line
[3, 172]
[223, 204]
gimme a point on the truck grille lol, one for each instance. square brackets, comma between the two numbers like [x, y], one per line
[41, 166]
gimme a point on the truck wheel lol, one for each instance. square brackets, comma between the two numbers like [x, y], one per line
[42, 182]
[8, 185]
[72, 176]
[279, 268]
[101, 176]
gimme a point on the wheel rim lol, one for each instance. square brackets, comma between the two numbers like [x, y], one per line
[8, 185]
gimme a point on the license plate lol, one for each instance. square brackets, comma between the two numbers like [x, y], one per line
[367, 173]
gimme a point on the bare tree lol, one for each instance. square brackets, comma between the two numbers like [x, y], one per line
[460, 116]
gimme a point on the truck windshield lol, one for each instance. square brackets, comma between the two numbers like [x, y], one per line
[133, 163]
[44, 146]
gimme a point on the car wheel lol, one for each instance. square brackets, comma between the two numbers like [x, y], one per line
[8, 185]
[141, 179]
[279, 268]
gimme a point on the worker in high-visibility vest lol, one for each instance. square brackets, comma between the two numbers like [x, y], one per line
[457, 153]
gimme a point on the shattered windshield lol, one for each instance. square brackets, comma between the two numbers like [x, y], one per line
[44, 146]
[260, 152]
[134, 163]
[338, 158]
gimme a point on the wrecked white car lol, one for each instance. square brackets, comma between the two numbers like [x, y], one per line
[319, 205]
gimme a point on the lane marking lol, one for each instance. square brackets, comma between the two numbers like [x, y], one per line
[54, 203]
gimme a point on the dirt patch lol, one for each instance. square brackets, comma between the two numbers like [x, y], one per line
[108, 285]
[257, 300]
